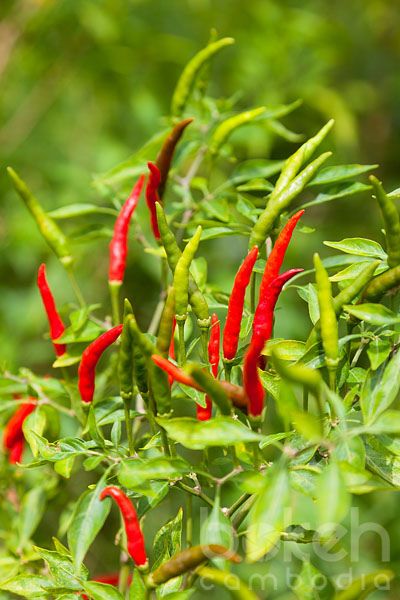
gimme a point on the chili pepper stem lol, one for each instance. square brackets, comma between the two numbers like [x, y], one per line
[181, 342]
[189, 521]
[228, 371]
[123, 578]
[128, 425]
[253, 293]
[75, 286]
[204, 344]
[165, 443]
[332, 379]
[114, 287]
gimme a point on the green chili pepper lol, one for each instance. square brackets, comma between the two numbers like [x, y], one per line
[227, 127]
[328, 322]
[187, 79]
[382, 283]
[346, 296]
[299, 374]
[282, 200]
[391, 220]
[196, 298]
[158, 379]
[47, 227]
[238, 589]
[294, 163]
[212, 388]
[125, 361]
[181, 276]
[166, 324]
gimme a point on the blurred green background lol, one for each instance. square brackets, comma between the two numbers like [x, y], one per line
[85, 83]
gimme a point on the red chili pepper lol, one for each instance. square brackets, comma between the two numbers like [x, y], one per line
[236, 303]
[16, 451]
[119, 242]
[89, 360]
[164, 157]
[262, 331]
[152, 196]
[13, 430]
[275, 259]
[204, 413]
[57, 327]
[134, 536]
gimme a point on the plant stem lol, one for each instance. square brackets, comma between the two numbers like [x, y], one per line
[114, 288]
[189, 521]
[237, 504]
[75, 287]
[305, 399]
[253, 293]
[181, 342]
[195, 492]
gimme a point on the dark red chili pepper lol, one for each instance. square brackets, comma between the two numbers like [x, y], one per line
[275, 259]
[119, 242]
[262, 331]
[234, 392]
[57, 327]
[204, 413]
[236, 303]
[134, 536]
[164, 157]
[89, 360]
[13, 437]
[152, 196]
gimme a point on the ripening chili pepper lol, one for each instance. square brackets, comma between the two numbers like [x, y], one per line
[391, 220]
[277, 204]
[166, 328]
[134, 536]
[381, 284]
[119, 242]
[181, 276]
[189, 559]
[236, 303]
[57, 327]
[47, 227]
[13, 436]
[227, 127]
[234, 392]
[262, 331]
[173, 253]
[187, 79]
[328, 321]
[275, 259]
[152, 197]
[218, 391]
[164, 157]
[125, 358]
[204, 413]
[89, 360]
[16, 451]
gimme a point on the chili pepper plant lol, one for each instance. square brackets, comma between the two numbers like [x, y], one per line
[198, 452]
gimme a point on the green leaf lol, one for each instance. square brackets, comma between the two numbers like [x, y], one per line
[333, 500]
[359, 247]
[337, 193]
[87, 520]
[305, 585]
[62, 570]
[102, 591]
[212, 233]
[374, 314]
[77, 210]
[197, 435]
[266, 518]
[285, 349]
[31, 511]
[389, 422]
[378, 351]
[167, 543]
[217, 529]
[363, 586]
[137, 589]
[250, 169]
[28, 586]
[350, 272]
[382, 462]
[385, 391]
[35, 423]
[340, 173]
[135, 472]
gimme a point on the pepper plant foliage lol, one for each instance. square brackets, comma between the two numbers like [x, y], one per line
[192, 441]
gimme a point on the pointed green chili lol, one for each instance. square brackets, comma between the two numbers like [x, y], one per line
[227, 127]
[381, 284]
[173, 252]
[212, 388]
[181, 276]
[329, 326]
[47, 227]
[166, 324]
[277, 204]
[187, 79]
[391, 220]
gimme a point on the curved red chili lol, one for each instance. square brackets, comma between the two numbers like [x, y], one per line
[134, 536]
[57, 327]
[275, 259]
[262, 331]
[13, 437]
[89, 360]
[204, 413]
[16, 451]
[235, 306]
[152, 196]
[119, 242]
